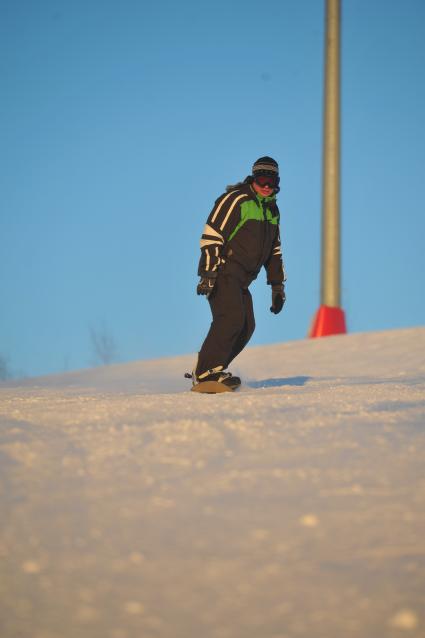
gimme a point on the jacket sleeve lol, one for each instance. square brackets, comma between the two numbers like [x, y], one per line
[274, 265]
[221, 222]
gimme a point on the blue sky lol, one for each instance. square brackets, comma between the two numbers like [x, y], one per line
[121, 122]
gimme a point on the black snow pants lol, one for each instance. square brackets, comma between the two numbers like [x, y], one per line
[233, 319]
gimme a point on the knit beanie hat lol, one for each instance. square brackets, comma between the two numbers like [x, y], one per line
[265, 166]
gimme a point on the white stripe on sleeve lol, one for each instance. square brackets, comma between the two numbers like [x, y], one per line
[231, 209]
[209, 230]
[208, 242]
[218, 209]
[217, 259]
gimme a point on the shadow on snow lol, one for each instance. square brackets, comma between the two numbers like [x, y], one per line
[277, 383]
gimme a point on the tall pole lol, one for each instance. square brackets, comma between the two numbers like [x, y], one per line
[331, 257]
[330, 318]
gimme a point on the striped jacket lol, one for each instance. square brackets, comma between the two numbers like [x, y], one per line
[243, 227]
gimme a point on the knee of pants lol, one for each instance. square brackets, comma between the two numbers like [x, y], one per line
[251, 328]
[236, 322]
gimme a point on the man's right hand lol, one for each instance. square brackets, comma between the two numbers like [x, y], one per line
[206, 286]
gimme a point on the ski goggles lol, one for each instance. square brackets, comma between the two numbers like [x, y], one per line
[267, 180]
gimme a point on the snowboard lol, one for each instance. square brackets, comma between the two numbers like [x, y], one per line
[212, 387]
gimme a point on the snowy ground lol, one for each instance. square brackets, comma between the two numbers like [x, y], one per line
[294, 508]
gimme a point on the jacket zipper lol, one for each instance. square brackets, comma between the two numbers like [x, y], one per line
[264, 207]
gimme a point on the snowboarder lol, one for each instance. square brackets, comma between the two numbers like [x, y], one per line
[241, 235]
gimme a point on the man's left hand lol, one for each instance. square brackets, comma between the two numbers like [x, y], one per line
[278, 298]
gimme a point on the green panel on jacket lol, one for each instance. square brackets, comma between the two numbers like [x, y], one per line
[252, 210]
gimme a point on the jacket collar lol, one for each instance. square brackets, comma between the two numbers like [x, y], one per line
[261, 198]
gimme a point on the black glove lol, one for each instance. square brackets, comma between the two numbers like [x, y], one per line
[278, 298]
[206, 286]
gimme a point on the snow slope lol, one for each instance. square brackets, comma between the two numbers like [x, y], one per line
[294, 508]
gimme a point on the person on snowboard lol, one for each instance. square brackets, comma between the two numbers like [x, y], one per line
[241, 235]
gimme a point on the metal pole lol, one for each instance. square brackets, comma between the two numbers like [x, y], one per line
[330, 318]
[330, 285]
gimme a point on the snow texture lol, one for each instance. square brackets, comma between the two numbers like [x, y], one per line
[293, 508]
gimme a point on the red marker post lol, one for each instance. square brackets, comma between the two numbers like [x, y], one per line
[330, 318]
